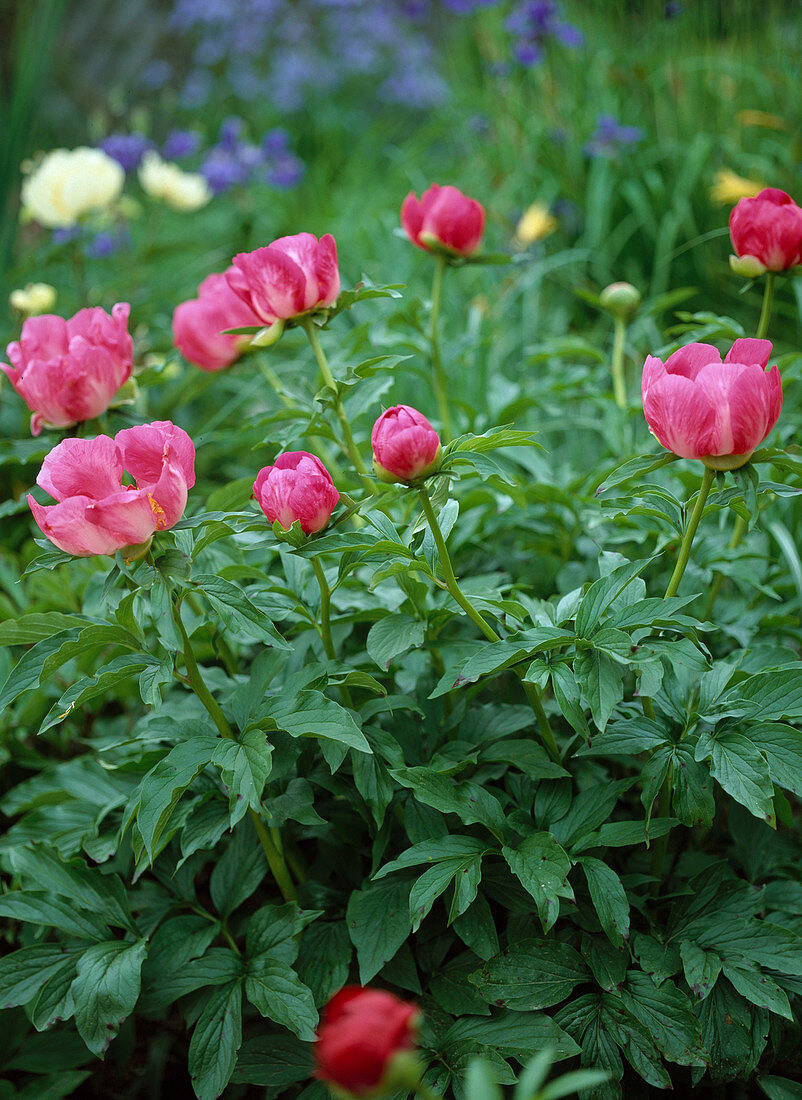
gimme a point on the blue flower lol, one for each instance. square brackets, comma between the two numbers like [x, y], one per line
[127, 149]
[610, 137]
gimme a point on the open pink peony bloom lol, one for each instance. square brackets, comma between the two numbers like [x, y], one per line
[291, 276]
[768, 228]
[96, 513]
[296, 487]
[199, 325]
[405, 445]
[443, 220]
[69, 371]
[699, 407]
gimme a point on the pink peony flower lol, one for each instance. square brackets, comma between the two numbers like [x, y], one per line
[296, 487]
[69, 371]
[291, 276]
[443, 220]
[699, 407]
[405, 445]
[768, 228]
[96, 513]
[199, 324]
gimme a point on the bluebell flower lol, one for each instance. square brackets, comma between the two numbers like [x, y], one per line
[127, 149]
[610, 137]
[180, 144]
[285, 172]
[533, 23]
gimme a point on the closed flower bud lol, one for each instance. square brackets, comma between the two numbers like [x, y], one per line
[34, 299]
[290, 277]
[184, 191]
[405, 445]
[69, 371]
[699, 407]
[96, 513]
[621, 299]
[364, 1043]
[443, 220]
[199, 325]
[296, 488]
[768, 230]
[69, 183]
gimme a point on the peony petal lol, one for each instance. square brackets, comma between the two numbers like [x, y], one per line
[327, 272]
[88, 468]
[681, 416]
[749, 351]
[688, 361]
[412, 218]
[67, 526]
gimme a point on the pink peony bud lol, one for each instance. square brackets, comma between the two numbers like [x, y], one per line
[443, 220]
[768, 230]
[699, 407]
[290, 277]
[296, 487]
[69, 371]
[405, 445]
[96, 513]
[199, 325]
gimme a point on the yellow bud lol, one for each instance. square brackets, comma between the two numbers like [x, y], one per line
[729, 187]
[535, 223]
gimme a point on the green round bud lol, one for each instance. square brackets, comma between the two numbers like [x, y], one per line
[621, 299]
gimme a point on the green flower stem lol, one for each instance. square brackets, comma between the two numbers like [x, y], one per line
[619, 383]
[664, 798]
[765, 313]
[351, 448]
[690, 531]
[439, 380]
[531, 690]
[274, 857]
[325, 622]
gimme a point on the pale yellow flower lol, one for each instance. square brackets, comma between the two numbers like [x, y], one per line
[535, 223]
[185, 191]
[34, 299]
[762, 118]
[729, 187]
[68, 183]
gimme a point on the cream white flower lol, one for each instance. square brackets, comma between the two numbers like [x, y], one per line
[185, 191]
[34, 299]
[68, 183]
[535, 223]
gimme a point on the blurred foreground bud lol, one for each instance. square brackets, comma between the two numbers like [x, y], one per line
[621, 300]
[405, 445]
[297, 488]
[365, 1043]
[443, 220]
[699, 407]
[34, 299]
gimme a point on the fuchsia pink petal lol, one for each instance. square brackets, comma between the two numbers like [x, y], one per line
[699, 407]
[768, 227]
[443, 220]
[199, 324]
[96, 513]
[292, 276]
[70, 371]
[405, 445]
[296, 487]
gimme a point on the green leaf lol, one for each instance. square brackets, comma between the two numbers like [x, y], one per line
[159, 792]
[693, 799]
[89, 638]
[481, 1082]
[378, 923]
[513, 1034]
[758, 988]
[392, 636]
[237, 612]
[666, 1015]
[215, 1041]
[276, 990]
[605, 591]
[24, 972]
[473, 804]
[324, 958]
[600, 678]
[609, 899]
[701, 968]
[530, 974]
[52, 913]
[780, 1088]
[782, 747]
[106, 990]
[32, 628]
[312, 714]
[740, 769]
[634, 469]
[767, 696]
[465, 872]
[245, 766]
[273, 1061]
[90, 687]
[239, 871]
[541, 866]
[626, 737]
